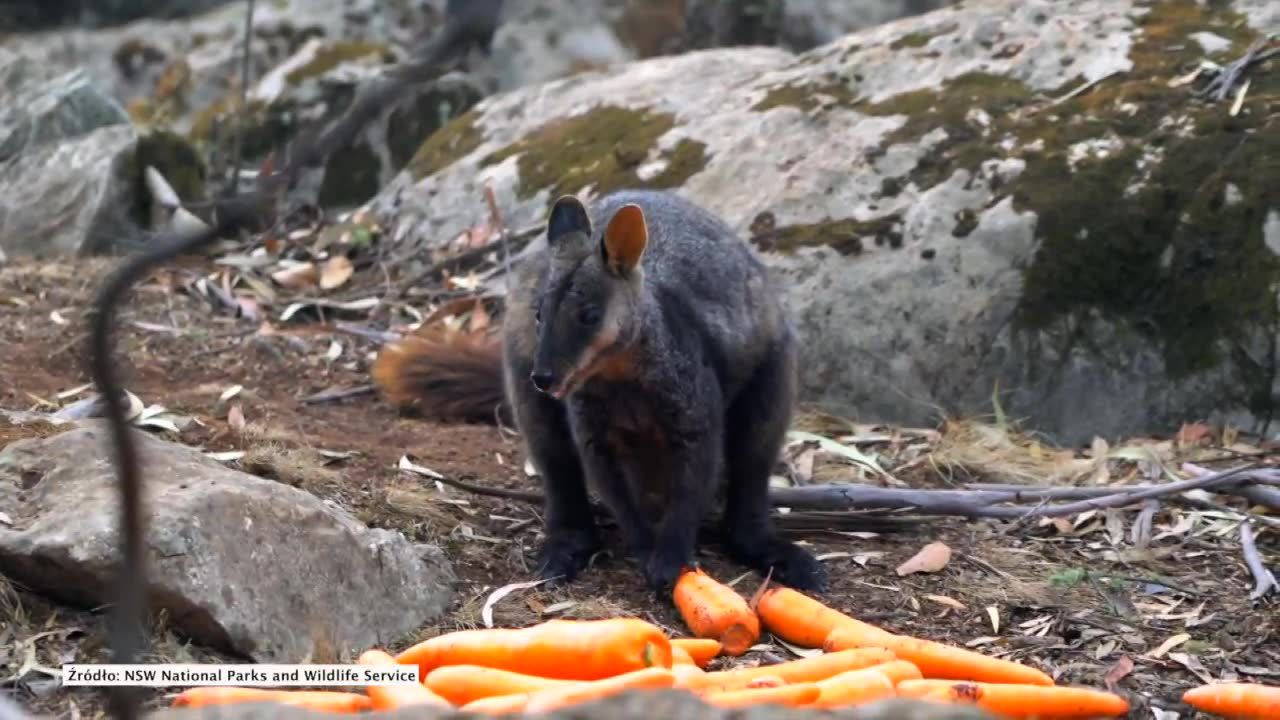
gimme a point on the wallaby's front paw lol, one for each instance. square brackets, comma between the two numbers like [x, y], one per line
[662, 567]
[565, 554]
[796, 568]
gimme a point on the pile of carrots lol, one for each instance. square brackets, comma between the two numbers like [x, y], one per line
[561, 663]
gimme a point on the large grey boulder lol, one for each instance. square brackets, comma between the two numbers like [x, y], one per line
[40, 109]
[72, 164]
[239, 562]
[69, 197]
[999, 196]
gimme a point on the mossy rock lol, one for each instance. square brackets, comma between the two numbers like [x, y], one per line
[602, 148]
[847, 237]
[351, 176]
[333, 54]
[457, 139]
[1162, 234]
[175, 159]
[412, 124]
[808, 96]
[265, 126]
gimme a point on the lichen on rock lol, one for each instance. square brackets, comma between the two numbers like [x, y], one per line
[602, 148]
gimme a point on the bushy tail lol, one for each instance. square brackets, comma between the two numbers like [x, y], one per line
[454, 377]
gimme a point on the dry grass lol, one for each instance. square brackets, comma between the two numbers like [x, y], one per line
[300, 467]
[971, 450]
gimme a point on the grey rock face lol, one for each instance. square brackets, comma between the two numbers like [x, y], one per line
[239, 562]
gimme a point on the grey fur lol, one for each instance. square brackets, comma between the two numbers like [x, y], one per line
[658, 382]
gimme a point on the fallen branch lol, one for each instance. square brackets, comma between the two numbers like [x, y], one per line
[1264, 580]
[1226, 79]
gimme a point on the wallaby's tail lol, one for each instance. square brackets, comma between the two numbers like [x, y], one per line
[449, 377]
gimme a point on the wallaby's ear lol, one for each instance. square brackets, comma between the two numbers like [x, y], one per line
[624, 240]
[567, 216]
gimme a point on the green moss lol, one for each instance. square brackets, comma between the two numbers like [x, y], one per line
[266, 127]
[920, 39]
[458, 138]
[411, 124]
[847, 237]
[807, 96]
[329, 56]
[965, 145]
[176, 160]
[350, 177]
[602, 148]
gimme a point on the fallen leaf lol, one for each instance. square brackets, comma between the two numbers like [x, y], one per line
[949, 602]
[486, 612]
[479, 317]
[1193, 665]
[230, 392]
[1168, 645]
[5, 519]
[1118, 672]
[235, 418]
[797, 650]
[334, 352]
[409, 466]
[229, 456]
[931, 558]
[559, 607]
[296, 276]
[1104, 649]
[336, 272]
[1193, 434]
[57, 318]
[994, 614]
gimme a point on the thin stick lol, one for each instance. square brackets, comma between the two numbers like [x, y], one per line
[238, 157]
[466, 256]
[1264, 580]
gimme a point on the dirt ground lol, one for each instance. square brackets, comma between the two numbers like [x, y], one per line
[1076, 600]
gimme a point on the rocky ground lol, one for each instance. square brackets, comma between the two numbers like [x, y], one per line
[1074, 597]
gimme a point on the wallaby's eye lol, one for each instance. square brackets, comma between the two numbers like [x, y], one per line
[589, 315]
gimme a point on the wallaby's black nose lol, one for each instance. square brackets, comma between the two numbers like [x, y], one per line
[542, 380]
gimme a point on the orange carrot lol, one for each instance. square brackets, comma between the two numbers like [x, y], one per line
[322, 700]
[714, 610]
[813, 669]
[801, 620]
[764, 681]
[1247, 701]
[899, 670]
[686, 674]
[390, 697]
[936, 660]
[462, 684]
[791, 695]
[1015, 700]
[854, 688]
[556, 698]
[702, 650]
[560, 649]
[680, 656]
[498, 704]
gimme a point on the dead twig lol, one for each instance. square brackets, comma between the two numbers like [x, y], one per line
[1264, 580]
[335, 394]
[1221, 85]
[518, 239]
[237, 158]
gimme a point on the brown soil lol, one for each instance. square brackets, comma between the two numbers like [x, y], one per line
[1067, 602]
